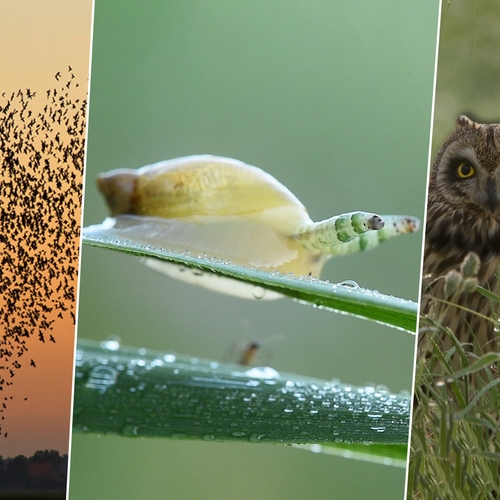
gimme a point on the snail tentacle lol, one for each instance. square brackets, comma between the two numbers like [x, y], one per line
[338, 230]
[394, 226]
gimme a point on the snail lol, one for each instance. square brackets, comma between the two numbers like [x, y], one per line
[224, 208]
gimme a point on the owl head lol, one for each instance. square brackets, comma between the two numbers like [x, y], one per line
[466, 173]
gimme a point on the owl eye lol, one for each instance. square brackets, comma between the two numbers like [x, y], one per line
[465, 170]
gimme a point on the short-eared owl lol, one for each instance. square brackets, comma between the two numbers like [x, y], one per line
[463, 216]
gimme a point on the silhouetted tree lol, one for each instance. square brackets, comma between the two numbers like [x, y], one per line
[17, 470]
[3, 475]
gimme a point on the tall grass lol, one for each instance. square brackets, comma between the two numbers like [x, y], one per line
[455, 442]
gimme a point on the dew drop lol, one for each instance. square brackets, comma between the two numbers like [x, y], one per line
[255, 438]
[101, 378]
[349, 284]
[238, 434]
[262, 372]
[258, 292]
[112, 343]
[130, 431]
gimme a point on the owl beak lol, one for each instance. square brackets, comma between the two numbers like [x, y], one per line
[492, 200]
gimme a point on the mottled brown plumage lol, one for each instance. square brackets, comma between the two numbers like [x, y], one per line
[463, 216]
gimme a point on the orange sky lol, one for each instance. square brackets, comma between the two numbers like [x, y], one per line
[38, 39]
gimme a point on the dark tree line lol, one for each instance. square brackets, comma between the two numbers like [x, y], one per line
[46, 469]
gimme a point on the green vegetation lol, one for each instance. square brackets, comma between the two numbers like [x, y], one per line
[455, 443]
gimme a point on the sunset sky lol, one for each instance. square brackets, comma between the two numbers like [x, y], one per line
[39, 39]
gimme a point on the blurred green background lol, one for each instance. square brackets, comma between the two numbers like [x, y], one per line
[334, 99]
[468, 73]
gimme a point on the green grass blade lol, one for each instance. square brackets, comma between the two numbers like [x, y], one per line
[347, 299]
[488, 294]
[134, 392]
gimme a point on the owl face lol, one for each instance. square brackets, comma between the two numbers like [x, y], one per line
[466, 172]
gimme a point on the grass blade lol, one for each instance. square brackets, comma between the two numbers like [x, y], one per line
[132, 392]
[348, 299]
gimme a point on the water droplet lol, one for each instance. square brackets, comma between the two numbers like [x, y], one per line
[169, 358]
[349, 284]
[101, 378]
[238, 434]
[262, 372]
[130, 431]
[112, 343]
[255, 438]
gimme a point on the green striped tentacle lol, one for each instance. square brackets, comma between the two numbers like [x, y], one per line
[394, 226]
[354, 232]
[338, 230]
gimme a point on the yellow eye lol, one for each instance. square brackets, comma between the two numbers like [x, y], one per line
[465, 171]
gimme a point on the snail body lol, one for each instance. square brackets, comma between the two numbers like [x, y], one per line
[224, 208]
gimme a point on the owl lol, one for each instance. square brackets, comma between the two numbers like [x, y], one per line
[463, 216]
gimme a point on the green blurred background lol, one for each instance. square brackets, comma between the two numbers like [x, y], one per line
[334, 99]
[468, 73]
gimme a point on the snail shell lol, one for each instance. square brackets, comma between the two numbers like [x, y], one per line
[227, 209]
